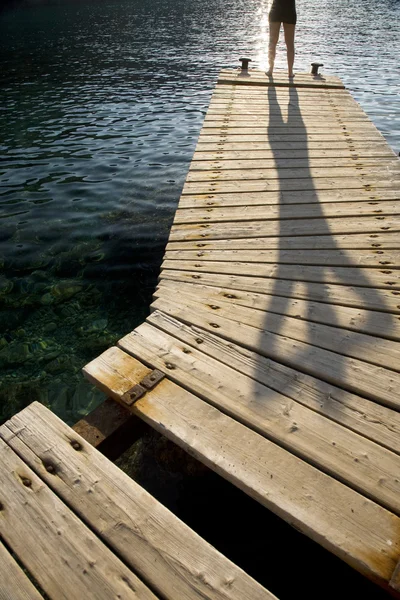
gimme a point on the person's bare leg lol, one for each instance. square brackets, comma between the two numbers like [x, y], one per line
[274, 29]
[288, 28]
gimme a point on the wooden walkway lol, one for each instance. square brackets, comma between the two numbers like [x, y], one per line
[277, 316]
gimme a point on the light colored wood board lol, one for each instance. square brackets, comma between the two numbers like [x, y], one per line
[373, 323]
[320, 133]
[281, 75]
[205, 145]
[378, 259]
[167, 554]
[299, 138]
[282, 198]
[365, 182]
[261, 212]
[282, 98]
[340, 93]
[371, 278]
[371, 349]
[372, 382]
[333, 226]
[15, 585]
[381, 241]
[371, 420]
[274, 416]
[357, 530]
[280, 164]
[294, 124]
[352, 296]
[67, 560]
[379, 152]
[387, 170]
[286, 110]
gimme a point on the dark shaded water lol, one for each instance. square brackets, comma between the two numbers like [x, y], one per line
[100, 108]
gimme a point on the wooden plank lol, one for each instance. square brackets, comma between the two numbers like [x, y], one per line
[296, 428]
[281, 198]
[395, 581]
[245, 154]
[371, 349]
[365, 182]
[15, 585]
[333, 226]
[358, 297]
[388, 169]
[167, 554]
[375, 323]
[288, 212]
[370, 381]
[63, 555]
[384, 240]
[377, 423]
[378, 259]
[292, 133]
[220, 164]
[205, 144]
[238, 79]
[300, 138]
[357, 530]
[351, 275]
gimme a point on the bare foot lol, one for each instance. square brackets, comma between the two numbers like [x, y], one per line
[291, 75]
[269, 73]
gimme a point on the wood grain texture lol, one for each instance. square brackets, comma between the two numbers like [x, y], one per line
[374, 382]
[64, 556]
[14, 584]
[166, 553]
[373, 323]
[346, 523]
[339, 295]
[367, 418]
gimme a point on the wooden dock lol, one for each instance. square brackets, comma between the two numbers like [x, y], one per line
[277, 316]
[271, 354]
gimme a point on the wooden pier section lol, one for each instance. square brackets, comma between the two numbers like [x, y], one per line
[271, 353]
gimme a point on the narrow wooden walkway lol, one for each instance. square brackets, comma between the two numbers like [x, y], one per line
[277, 316]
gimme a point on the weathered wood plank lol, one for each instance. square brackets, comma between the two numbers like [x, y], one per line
[15, 585]
[332, 226]
[221, 164]
[251, 212]
[370, 381]
[302, 184]
[293, 426]
[281, 198]
[293, 138]
[369, 419]
[383, 240]
[278, 147]
[167, 554]
[351, 275]
[378, 259]
[64, 556]
[390, 169]
[375, 323]
[246, 154]
[349, 295]
[357, 530]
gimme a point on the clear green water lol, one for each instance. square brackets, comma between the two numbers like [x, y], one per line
[101, 104]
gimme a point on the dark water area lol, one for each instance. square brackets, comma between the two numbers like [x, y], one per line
[101, 104]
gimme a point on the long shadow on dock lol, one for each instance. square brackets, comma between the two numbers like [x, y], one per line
[284, 290]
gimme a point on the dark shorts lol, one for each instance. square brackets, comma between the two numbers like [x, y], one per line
[282, 15]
